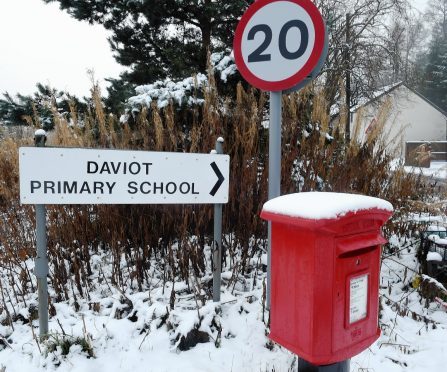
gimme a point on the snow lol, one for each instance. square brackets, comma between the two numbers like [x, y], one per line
[330, 204]
[225, 65]
[436, 228]
[165, 91]
[436, 239]
[184, 92]
[40, 133]
[434, 281]
[146, 337]
[361, 101]
[434, 256]
[437, 170]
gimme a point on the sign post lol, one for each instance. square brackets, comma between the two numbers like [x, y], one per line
[277, 45]
[41, 262]
[217, 246]
[274, 184]
[97, 176]
[281, 45]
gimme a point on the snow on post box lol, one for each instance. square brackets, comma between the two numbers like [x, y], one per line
[325, 273]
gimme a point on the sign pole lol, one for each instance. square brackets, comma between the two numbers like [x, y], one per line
[281, 45]
[277, 45]
[41, 262]
[217, 249]
[274, 187]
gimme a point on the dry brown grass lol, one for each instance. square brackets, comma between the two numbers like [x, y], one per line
[313, 161]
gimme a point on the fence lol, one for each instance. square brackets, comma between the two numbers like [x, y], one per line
[421, 153]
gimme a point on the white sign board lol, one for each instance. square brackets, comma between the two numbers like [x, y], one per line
[358, 298]
[90, 176]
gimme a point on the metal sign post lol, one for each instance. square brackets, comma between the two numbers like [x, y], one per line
[98, 176]
[274, 187]
[41, 262]
[277, 45]
[281, 45]
[217, 246]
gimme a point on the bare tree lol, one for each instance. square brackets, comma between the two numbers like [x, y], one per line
[368, 47]
[404, 41]
[436, 15]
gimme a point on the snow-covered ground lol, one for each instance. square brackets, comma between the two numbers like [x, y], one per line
[437, 170]
[406, 344]
[137, 331]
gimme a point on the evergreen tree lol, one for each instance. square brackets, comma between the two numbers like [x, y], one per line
[435, 84]
[118, 93]
[39, 108]
[160, 38]
[13, 111]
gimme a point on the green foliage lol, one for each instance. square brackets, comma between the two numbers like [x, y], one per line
[64, 342]
[39, 109]
[156, 38]
[435, 82]
[13, 111]
[434, 63]
[118, 93]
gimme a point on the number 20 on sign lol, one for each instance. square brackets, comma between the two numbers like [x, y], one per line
[278, 43]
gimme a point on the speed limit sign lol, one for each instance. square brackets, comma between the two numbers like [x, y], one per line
[278, 43]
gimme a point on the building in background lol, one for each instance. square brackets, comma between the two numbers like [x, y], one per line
[406, 117]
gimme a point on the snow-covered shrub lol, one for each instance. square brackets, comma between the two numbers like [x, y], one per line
[184, 93]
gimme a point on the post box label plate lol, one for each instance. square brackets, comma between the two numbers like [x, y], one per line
[358, 298]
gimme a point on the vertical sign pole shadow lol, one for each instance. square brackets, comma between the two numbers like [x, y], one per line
[41, 262]
[274, 175]
[217, 244]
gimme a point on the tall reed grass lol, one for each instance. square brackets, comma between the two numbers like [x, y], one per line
[315, 156]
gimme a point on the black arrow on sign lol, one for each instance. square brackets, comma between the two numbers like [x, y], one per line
[220, 177]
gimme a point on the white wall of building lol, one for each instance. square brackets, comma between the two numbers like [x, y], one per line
[410, 118]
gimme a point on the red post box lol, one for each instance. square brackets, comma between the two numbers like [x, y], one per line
[325, 273]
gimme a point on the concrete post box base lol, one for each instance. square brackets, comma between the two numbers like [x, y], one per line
[305, 366]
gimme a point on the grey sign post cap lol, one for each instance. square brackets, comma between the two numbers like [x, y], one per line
[40, 137]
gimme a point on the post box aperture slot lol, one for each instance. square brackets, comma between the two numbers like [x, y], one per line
[348, 246]
[357, 252]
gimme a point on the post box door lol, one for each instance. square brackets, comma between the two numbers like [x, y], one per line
[356, 291]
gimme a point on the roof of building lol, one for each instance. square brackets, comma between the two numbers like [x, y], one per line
[388, 89]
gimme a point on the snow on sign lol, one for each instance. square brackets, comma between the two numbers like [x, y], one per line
[278, 43]
[90, 176]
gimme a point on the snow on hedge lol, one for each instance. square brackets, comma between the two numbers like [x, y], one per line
[163, 92]
[186, 92]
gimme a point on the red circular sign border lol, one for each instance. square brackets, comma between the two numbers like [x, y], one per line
[291, 81]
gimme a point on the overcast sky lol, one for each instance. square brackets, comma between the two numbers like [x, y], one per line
[40, 43]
